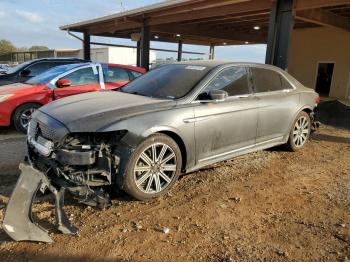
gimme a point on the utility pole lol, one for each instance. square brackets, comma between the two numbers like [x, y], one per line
[122, 5]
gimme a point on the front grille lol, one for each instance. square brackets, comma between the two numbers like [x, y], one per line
[38, 128]
[47, 127]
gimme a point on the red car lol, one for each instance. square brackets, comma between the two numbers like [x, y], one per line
[18, 101]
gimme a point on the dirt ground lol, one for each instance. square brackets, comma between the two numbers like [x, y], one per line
[271, 205]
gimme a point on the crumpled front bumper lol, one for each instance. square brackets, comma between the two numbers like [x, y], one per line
[18, 221]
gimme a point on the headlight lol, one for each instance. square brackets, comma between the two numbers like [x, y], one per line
[5, 97]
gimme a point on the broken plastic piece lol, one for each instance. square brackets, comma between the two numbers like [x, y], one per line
[18, 222]
[98, 198]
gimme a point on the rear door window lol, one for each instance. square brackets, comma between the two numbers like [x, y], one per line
[135, 74]
[233, 80]
[266, 80]
[285, 84]
[116, 74]
[84, 76]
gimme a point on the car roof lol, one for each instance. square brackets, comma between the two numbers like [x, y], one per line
[59, 59]
[71, 66]
[216, 63]
[76, 65]
[206, 63]
[129, 67]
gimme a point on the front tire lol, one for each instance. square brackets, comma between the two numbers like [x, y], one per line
[23, 115]
[300, 132]
[153, 168]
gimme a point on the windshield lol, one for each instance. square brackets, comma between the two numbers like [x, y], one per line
[168, 81]
[50, 74]
[18, 68]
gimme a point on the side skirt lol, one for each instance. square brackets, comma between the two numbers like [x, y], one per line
[238, 152]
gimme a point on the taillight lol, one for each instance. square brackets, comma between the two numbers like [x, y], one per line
[317, 99]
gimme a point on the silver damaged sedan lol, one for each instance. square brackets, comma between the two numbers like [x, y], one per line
[176, 118]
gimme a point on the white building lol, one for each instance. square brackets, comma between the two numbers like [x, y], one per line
[113, 55]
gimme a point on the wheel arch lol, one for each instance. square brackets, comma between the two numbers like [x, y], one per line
[178, 140]
[306, 109]
[175, 135]
[18, 106]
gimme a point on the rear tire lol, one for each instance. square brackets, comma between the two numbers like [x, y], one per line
[153, 168]
[23, 115]
[300, 132]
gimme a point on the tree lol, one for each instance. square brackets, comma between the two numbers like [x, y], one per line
[38, 48]
[6, 47]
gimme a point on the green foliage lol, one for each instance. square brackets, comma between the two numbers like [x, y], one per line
[38, 48]
[6, 47]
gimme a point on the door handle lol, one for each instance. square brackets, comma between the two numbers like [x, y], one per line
[196, 119]
[243, 96]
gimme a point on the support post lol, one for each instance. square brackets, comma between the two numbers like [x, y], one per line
[179, 51]
[211, 52]
[145, 46]
[86, 47]
[138, 54]
[280, 30]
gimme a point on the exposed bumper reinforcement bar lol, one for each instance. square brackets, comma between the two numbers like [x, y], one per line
[18, 222]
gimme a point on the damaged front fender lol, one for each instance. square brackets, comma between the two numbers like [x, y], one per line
[18, 222]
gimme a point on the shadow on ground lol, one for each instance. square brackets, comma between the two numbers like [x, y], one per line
[334, 113]
[57, 258]
[330, 138]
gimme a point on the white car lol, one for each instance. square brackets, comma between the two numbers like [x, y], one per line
[4, 68]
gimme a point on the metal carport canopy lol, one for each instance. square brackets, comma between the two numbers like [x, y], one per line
[216, 22]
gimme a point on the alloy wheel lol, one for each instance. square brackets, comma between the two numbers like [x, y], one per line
[301, 131]
[155, 168]
[26, 116]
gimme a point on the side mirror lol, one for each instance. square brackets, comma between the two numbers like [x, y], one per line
[25, 73]
[63, 83]
[217, 95]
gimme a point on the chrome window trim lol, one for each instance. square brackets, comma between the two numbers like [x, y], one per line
[192, 96]
[227, 99]
[283, 91]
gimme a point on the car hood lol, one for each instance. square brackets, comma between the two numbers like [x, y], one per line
[96, 111]
[15, 88]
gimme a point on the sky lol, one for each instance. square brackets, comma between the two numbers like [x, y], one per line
[36, 22]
